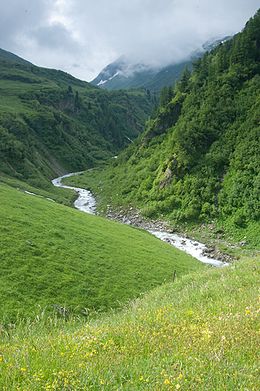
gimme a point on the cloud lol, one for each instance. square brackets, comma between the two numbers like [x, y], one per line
[54, 37]
[83, 36]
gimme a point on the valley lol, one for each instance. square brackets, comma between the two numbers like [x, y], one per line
[53, 257]
[129, 217]
[197, 162]
[51, 122]
[87, 203]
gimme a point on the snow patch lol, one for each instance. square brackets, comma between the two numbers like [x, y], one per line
[110, 78]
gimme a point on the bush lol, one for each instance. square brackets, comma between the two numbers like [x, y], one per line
[240, 219]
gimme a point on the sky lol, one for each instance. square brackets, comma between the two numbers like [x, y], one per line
[81, 37]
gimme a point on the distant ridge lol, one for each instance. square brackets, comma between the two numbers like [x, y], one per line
[121, 74]
[51, 122]
[5, 55]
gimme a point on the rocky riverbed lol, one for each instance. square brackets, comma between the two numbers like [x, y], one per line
[86, 203]
[160, 229]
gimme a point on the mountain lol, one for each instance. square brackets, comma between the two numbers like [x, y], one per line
[214, 42]
[51, 122]
[198, 160]
[10, 57]
[122, 74]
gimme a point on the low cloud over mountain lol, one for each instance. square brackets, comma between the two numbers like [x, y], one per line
[82, 36]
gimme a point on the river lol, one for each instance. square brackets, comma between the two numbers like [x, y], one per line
[86, 203]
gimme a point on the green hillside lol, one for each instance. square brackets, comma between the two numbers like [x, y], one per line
[199, 333]
[87, 303]
[53, 256]
[51, 122]
[10, 57]
[198, 160]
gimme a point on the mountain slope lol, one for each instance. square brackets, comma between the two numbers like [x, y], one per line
[51, 122]
[53, 256]
[10, 57]
[122, 74]
[198, 159]
[200, 333]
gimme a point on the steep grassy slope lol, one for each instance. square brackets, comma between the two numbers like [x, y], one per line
[199, 157]
[52, 255]
[62, 196]
[51, 122]
[200, 333]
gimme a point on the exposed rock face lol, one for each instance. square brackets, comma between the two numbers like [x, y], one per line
[133, 217]
[213, 252]
[243, 243]
[167, 178]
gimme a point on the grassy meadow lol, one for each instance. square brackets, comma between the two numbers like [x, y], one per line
[53, 256]
[59, 195]
[91, 304]
[199, 333]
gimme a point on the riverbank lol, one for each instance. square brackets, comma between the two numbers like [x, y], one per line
[165, 232]
[86, 203]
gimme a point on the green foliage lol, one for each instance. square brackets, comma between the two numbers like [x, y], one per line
[166, 95]
[198, 159]
[51, 122]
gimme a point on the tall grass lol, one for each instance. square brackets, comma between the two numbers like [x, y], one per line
[199, 333]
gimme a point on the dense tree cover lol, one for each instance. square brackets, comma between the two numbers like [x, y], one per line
[51, 122]
[199, 157]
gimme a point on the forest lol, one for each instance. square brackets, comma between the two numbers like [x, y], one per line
[51, 122]
[198, 159]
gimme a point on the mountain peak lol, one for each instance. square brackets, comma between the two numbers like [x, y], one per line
[124, 74]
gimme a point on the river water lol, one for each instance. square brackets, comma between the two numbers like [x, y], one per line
[87, 203]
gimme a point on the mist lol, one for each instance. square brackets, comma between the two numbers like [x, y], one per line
[82, 37]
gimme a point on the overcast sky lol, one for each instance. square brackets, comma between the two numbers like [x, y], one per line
[83, 36]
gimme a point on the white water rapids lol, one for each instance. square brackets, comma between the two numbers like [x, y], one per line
[86, 203]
